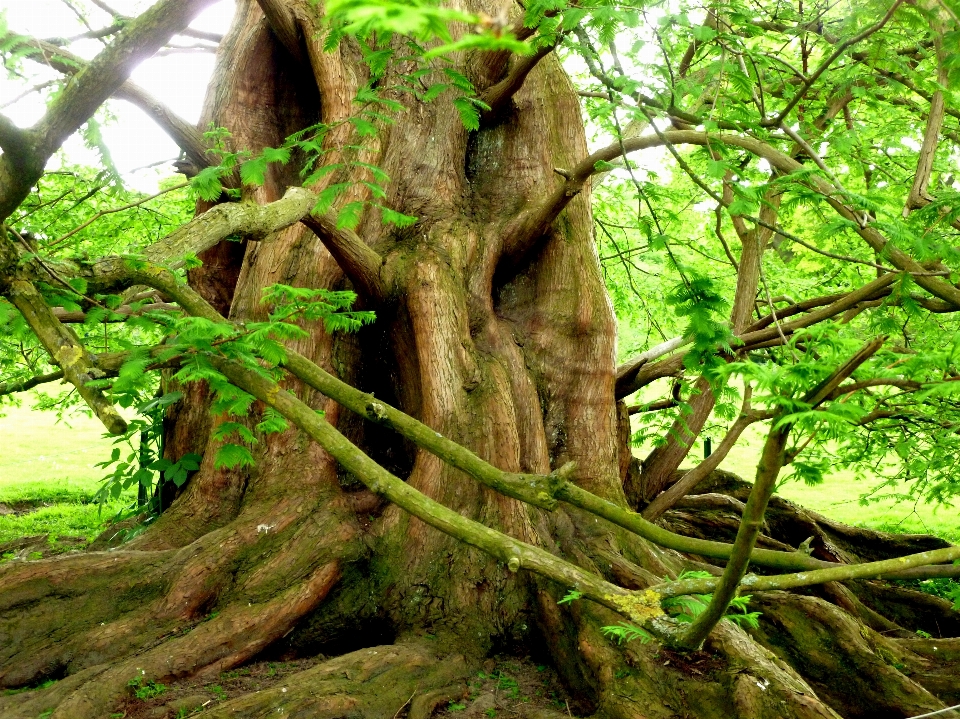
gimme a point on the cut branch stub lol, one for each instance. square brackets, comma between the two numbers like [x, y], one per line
[67, 351]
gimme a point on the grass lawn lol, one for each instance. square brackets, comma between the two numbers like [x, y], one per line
[50, 465]
[839, 497]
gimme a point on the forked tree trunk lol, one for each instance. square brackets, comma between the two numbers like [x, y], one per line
[508, 352]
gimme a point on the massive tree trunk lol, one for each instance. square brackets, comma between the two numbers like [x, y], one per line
[505, 346]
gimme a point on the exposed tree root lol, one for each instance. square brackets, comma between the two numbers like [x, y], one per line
[810, 659]
[733, 677]
[406, 679]
[934, 664]
[211, 605]
[857, 670]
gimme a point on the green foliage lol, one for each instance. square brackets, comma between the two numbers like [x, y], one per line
[657, 226]
[570, 597]
[942, 587]
[625, 632]
[145, 689]
[142, 467]
[687, 607]
[700, 302]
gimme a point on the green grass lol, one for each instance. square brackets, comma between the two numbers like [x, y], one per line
[60, 520]
[39, 454]
[838, 497]
[50, 465]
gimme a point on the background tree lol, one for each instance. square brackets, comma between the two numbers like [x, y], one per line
[460, 466]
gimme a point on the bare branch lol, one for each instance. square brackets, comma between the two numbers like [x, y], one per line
[657, 406]
[865, 292]
[184, 50]
[106, 8]
[838, 51]
[185, 134]
[763, 337]
[140, 39]
[686, 484]
[120, 314]
[554, 485]
[918, 196]
[253, 221]
[798, 307]
[213, 37]
[630, 368]
[498, 95]
[65, 350]
[710, 21]
[89, 35]
[219, 222]
[929, 562]
[113, 210]
[25, 384]
[772, 460]
[29, 91]
[530, 223]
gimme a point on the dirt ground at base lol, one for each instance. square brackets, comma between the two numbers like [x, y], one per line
[189, 698]
[511, 687]
[507, 687]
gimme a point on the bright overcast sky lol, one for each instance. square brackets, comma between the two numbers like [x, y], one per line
[177, 80]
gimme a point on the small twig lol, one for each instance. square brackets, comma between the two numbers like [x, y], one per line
[405, 703]
[106, 8]
[773, 312]
[937, 712]
[102, 213]
[841, 48]
[30, 91]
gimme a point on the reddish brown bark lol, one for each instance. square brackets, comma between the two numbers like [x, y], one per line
[507, 352]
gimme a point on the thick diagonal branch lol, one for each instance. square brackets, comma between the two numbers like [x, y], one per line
[682, 487]
[66, 350]
[896, 568]
[498, 95]
[772, 460]
[356, 258]
[187, 137]
[838, 304]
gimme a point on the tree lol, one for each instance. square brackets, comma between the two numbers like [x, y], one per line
[460, 465]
